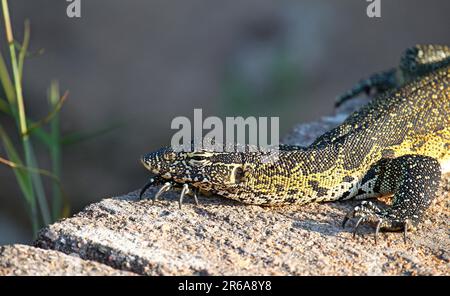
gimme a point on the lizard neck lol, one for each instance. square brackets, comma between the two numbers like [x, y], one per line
[298, 176]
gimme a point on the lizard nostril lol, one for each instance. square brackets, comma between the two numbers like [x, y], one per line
[169, 156]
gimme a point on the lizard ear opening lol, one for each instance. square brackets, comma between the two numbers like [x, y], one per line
[238, 175]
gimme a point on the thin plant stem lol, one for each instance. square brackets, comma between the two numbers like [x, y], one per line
[23, 179]
[55, 148]
[28, 149]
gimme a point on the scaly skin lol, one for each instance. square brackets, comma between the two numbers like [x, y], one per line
[397, 144]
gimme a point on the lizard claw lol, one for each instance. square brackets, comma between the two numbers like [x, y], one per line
[362, 218]
[195, 193]
[377, 229]
[405, 229]
[185, 191]
[151, 182]
[358, 223]
[166, 187]
[346, 218]
[146, 186]
[367, 212]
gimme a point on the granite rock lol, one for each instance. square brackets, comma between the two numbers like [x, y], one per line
[27, 260]
[223, 237]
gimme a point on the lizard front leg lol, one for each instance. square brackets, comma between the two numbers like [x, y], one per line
[414, 181]
[415, 61]
[422, 59]
[377, 83]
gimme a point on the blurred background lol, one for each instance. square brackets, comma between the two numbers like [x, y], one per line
[132, 66]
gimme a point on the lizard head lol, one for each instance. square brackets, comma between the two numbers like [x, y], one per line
[203, 169]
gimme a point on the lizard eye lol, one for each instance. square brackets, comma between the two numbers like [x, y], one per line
[197, 157]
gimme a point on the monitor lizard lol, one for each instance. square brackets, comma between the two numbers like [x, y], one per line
[398, 144]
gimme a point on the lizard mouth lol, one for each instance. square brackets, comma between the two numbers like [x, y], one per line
[148, 160]
[148, 166]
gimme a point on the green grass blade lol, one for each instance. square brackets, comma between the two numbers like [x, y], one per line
[56, 107]
[37, 132]
[24, 48]
[77, 137]
[14, 157]
[37, 181]
[27, 146]
[41, 135]
[22, 178]
[4, 106]
[55, 150]
[6, 81]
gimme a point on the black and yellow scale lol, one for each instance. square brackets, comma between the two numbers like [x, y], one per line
[398, 144]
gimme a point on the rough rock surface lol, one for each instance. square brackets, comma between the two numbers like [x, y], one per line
[27, 260]
[221, 236]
